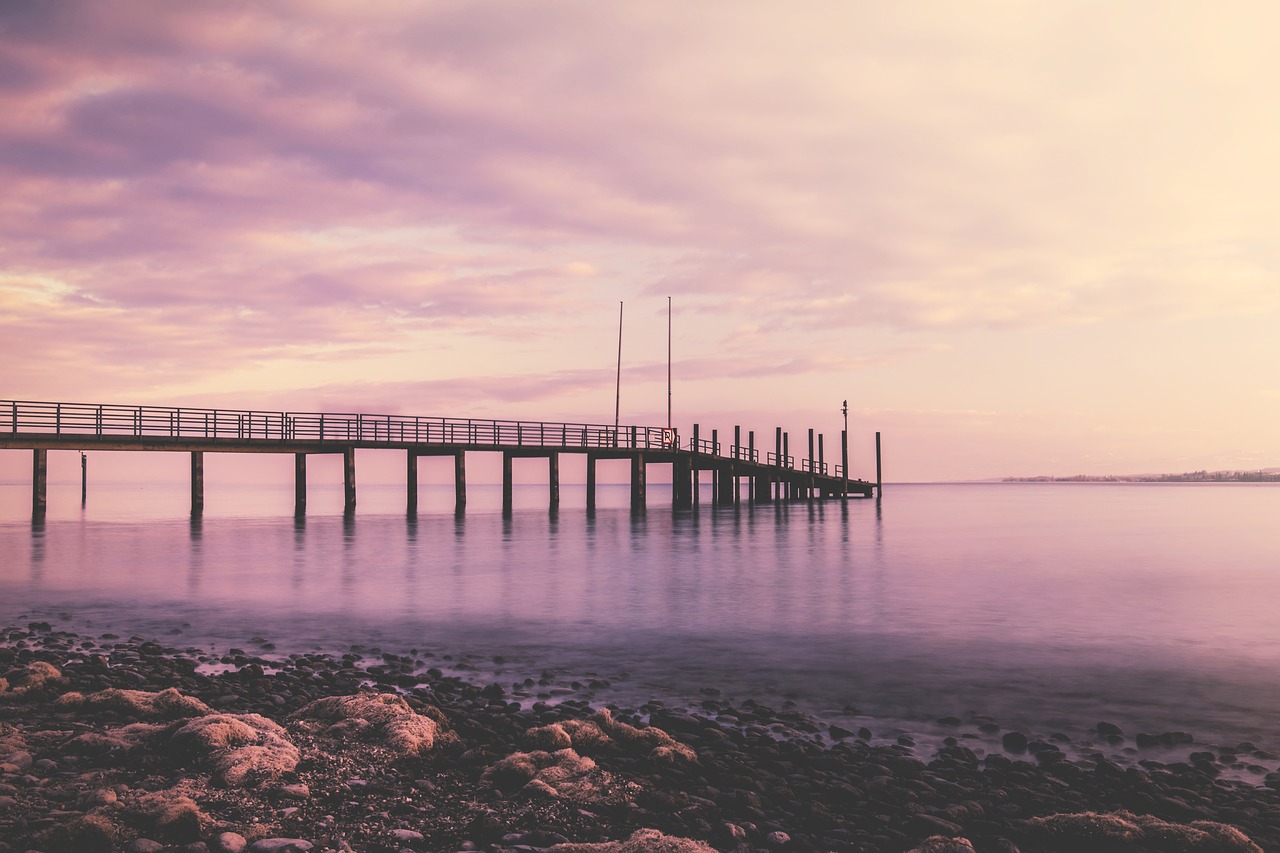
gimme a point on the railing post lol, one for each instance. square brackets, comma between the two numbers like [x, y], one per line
[57, 419]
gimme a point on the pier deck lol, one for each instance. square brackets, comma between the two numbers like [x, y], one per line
[44, 426]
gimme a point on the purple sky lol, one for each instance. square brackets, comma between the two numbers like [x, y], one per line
[1019, 238]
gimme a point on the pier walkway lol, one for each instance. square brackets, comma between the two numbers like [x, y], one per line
[44, 426]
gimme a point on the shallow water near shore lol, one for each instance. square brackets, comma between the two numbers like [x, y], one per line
[1048, 607]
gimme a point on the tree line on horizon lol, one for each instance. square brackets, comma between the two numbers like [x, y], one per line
[1263, 476]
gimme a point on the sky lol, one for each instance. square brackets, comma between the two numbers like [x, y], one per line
[1019, 238]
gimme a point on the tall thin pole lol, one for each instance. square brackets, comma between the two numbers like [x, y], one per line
[668, 362]
[844, 449]
[617, 399]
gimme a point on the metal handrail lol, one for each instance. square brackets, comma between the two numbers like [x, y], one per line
[704, 445]
[19, 417]
[784, 461]
[814, 467]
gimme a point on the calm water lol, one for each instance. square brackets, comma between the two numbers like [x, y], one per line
[1049, 607]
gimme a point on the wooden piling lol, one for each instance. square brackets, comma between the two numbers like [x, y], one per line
[682, 482]
[411, 483]
[715, 468]
[84, 479]
[553, 481]
[506, 482]
[300, 483]
[349, 480]
[591, 482]
[879, 486]
[459, 481]
[844, 461]
[39, 484]
[197, 483]
[639, 486]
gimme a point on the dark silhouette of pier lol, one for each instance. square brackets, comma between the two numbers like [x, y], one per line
[775, 476]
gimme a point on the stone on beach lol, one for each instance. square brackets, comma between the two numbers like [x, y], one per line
[92, 833]
[1123, 830]
[602, 732]
[379, 717]
[243, 749]
[37, 678]
[641, 841]
[112, 743]
[175, 816]
[563, 774]
[167, 704]
[942, 844]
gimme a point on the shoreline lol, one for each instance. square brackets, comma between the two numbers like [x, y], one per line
[83, 772]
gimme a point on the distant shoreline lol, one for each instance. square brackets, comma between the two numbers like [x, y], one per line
[1265, 476]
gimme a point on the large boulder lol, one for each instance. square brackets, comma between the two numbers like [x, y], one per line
[601, 732]
[241, 749]
[641, 841]
[138, 704]
[381, 718]
[563, 774]
[1122, 830]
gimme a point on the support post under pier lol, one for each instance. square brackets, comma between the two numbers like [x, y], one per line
[639, 487]
[299, 484]
[591, 482]
[411, 482]
[39, 483]
[553, 481]
[460, 481]
[506, 482]
[197, 483]
[349, 480]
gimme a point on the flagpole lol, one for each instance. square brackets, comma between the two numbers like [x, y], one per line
[668, 362]
[617, 399]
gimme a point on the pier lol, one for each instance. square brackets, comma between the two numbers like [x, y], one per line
[769, 475]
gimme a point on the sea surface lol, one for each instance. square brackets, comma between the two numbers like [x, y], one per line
[1047, 607]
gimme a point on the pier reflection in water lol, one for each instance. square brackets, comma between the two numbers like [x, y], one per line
[1058, 605]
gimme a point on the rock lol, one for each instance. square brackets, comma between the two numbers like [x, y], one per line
[407, 836]
[641, 841]
[21, 760]
[280, 845]
[99, 797]
[777, 839]
[1014, 742]
[243, 749]
[379, 717]
[941, 844]
[144, 845]
[230, 842]
[296, 792]
[1124, 830]
[1106, 729]
[839, 732]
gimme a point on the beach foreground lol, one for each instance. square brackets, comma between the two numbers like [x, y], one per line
[111, 743]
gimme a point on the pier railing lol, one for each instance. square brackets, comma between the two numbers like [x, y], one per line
[783, 460]
[150, 422]
[158, 423]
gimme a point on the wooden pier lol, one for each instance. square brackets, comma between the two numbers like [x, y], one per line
[42, 426]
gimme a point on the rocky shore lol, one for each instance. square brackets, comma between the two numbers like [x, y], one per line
[114, 743]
